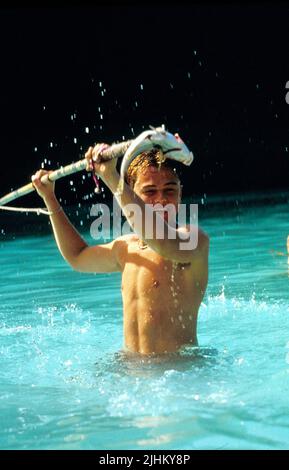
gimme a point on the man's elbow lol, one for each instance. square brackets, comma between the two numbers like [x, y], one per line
[74, 262]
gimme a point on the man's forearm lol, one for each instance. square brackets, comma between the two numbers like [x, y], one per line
[151, 227]
[68, 240]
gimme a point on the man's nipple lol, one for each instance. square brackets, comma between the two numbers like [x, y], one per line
[156, 283]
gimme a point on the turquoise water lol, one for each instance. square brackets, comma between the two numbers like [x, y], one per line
[65, 385]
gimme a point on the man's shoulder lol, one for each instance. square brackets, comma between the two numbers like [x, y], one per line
[124, 241]
[203, 234]
[123, 245]
[196, 228]
[130, 237]
[203, 237]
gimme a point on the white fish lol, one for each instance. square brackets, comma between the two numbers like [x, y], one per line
[171, 145]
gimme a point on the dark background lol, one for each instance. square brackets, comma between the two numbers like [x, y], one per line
[215, 73]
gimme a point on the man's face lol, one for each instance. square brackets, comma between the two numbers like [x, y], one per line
[159, 186]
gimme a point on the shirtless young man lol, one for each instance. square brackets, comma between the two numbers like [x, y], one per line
[162, 285]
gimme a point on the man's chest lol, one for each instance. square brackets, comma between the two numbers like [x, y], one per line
[150, 274]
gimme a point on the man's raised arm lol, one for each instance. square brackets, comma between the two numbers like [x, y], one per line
[80, 256]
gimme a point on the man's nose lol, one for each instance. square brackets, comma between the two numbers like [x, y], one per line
[161, 198]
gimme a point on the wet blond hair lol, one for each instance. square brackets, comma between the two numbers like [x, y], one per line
[144, 160]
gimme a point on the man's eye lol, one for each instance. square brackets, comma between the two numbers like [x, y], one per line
[149, 193]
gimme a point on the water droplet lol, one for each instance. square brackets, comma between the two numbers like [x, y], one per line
[141, 86]
[75, 140]
[87, 130]
[35, 149]
[51, 144]
[68, 363]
